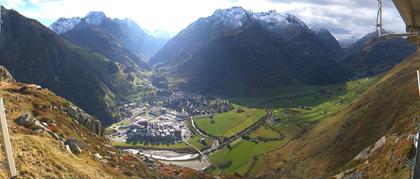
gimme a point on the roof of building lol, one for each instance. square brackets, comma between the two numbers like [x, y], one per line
[410, 12]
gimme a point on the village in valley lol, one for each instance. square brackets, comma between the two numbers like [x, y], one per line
[162, 117]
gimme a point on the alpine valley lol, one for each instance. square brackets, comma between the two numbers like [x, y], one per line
[237, 94]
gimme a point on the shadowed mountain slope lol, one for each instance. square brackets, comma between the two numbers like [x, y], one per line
[236, 50]
[372, 55]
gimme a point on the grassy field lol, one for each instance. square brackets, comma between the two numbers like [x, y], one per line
[265, 132]
[229, 123]
[195, 141]
[319, 102]
[242, 155]
[247, 156]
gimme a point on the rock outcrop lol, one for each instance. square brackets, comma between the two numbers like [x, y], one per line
[5, 75]
[81, 117]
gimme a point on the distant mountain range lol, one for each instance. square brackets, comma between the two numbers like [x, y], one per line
[236, 49]
[233, 51]
[125, 37]
[35, 54]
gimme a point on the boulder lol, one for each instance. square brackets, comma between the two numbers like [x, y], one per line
[73, 145]
[25, 120]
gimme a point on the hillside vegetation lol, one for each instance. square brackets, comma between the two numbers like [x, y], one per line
[295, 111]
[386, 109]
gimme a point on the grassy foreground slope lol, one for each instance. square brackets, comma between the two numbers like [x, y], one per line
[39, 155]
[386, 109]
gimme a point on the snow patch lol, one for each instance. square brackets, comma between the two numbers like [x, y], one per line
[236, 17]
[95, 18]
[64, 25]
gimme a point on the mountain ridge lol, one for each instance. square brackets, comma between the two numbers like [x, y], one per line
[268, 45]
[127, 31]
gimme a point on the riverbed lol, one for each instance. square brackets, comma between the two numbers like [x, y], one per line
[188, 160]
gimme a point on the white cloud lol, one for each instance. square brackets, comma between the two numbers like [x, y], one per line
[12, 3]
[344, 18]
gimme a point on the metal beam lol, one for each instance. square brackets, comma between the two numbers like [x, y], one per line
[1, 22]
[6, 141]
[416, 173]
[418, 80]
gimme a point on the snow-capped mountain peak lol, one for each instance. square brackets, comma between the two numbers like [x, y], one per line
[274, 20]
[95, 17]
[230, 19]
[236, 17]
[64, 25]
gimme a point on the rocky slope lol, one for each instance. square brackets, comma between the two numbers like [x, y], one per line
[49, 140]
[35, 54]
[238, 50]
[372, 55]
[123, 37]
[350, 142]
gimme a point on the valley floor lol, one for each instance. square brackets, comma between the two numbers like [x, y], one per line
[295, 111]
[255, 127]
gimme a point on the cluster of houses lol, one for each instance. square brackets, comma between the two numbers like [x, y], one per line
[148, 124]
[163, 113]
[160, 117]
[144, 131]
[191, 104]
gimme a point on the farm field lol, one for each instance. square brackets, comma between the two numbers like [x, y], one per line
[246, 155]
[195, 141]
[320, 102]
[229, 123]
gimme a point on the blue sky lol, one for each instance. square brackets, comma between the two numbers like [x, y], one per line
[346, 19]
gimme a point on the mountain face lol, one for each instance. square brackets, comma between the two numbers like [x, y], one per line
[238, 49]
[103, 42]
[35, 54]
[372, 55]
[329, 41]
[126, 34]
